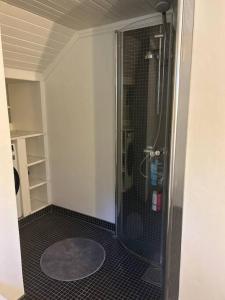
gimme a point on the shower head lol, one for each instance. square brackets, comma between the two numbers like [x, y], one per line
[161, 5]
[149, 55]
[152, 54]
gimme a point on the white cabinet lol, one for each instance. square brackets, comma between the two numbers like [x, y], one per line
[26, 116]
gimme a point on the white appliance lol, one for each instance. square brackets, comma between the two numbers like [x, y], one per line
[16, 173]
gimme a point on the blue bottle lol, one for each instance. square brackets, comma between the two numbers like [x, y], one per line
[154, 172]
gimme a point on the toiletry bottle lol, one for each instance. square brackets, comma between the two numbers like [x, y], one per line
[154, 201]
[159, 202]
[154, 172]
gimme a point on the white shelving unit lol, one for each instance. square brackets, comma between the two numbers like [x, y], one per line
[34, 160]
[38, 197]
[37, 204]
[24, 134]
[36, 182]
[28, 131]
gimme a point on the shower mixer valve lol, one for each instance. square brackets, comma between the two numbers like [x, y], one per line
[152, 153]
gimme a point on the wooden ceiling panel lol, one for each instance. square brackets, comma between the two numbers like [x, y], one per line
[30, 42]
[34, 32]
[83, 14]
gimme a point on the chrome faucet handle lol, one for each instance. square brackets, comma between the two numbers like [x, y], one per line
[153, 153]
[157, 153]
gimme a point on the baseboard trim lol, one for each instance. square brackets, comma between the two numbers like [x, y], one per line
[89, 219]
[34, 216]
[22, 297]
[54, 209]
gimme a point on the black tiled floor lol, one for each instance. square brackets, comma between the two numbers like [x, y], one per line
[119, 277]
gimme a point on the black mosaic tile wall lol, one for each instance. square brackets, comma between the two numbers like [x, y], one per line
[119, 277]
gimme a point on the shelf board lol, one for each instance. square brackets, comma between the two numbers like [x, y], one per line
[36, 182]
[24, 134]
[37, 204]
[34, 160]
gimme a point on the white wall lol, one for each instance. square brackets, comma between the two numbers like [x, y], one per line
[11, 282]
[80, 96]
[203, 241]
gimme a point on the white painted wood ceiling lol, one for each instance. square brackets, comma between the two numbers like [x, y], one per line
[30, 42]
[35, 31]
[81, 14]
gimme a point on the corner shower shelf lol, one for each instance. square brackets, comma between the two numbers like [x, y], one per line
[34, 160]
[36, 182]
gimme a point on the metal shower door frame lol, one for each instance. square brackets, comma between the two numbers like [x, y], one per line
[181, 89]
[119, 118]
[153, 20]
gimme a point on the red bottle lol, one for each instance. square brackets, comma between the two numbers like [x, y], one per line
[159, 202]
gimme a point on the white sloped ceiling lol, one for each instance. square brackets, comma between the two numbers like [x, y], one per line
[30, 42]
[35, 31]
[82, 14]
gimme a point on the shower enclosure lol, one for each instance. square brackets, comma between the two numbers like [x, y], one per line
[144, 58]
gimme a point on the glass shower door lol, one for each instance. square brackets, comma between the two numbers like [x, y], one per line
[143, 139]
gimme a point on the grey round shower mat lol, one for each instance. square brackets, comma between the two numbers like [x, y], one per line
[72, 259]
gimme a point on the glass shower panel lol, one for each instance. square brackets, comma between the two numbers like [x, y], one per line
[143, 135]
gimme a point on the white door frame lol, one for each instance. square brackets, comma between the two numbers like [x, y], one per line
[11, 279]
[182, 75]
